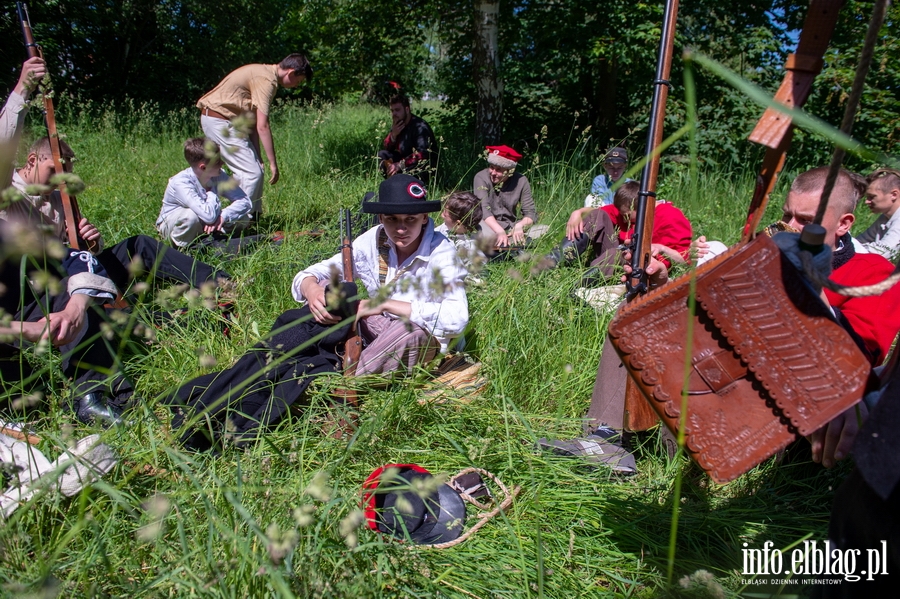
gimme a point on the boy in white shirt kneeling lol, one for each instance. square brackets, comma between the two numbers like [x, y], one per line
[192, 205]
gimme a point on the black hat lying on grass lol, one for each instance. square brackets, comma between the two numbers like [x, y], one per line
[405, 501]
[400, 194]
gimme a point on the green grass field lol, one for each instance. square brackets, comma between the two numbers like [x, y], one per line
[281, 518]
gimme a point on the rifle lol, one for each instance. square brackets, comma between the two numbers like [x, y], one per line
[353, 345]
[70, 205]
[639, 415]
[636, 283]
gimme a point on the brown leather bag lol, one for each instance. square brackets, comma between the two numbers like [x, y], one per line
[767, 362]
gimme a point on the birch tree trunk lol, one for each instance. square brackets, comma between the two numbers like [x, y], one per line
[486, 64]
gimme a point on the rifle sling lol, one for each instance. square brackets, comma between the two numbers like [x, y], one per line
[70, 210]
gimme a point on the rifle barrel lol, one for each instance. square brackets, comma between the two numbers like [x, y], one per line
[346, 245]
[70, 205]
[25, 23]
[646, 202]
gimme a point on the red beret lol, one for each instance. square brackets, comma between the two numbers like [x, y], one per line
[502, 156]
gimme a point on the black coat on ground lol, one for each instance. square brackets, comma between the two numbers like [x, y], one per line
[259, 389]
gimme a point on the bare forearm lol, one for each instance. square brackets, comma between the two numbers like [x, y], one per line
[254, 141]
[494, 225]
[669, 253]
[391, 306]
[525, 222]
[397, 308]
[265, 140]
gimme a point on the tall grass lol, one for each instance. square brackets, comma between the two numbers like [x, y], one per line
[266, 521]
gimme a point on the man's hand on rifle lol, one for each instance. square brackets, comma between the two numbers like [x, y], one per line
[657, 273]
[87, 231]
[833, 442]
[315, 297]
[33, 70]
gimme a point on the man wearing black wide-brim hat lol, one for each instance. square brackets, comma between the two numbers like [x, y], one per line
[426, 303]
[417, 305]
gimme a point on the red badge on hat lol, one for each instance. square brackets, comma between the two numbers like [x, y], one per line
[415, 190]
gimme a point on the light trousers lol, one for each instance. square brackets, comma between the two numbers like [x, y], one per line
[240, 156]
[182, 226]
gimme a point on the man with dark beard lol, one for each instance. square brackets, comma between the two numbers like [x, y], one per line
[410, 146]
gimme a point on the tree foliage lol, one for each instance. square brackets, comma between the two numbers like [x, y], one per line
[878, 118]
[164, 51]
[562, 64]
[360, 46]
[593, 63]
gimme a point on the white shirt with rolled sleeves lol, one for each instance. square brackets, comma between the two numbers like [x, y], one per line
[882, 237]
[12, 117]
[431, 280]
[12, 120]
[185, 191]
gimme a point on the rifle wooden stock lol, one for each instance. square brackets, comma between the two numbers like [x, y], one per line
[508, 248]
[353, 345]
[639, 415]
[775, 129]
[70, 204]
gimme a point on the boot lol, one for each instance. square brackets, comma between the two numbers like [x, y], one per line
[92, 407]
[568, 252]
[594, 277]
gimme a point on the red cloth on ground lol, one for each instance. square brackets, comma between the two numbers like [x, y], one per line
[875, 318]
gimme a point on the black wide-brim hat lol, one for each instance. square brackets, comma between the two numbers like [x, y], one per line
[438, 517]
[400, 194]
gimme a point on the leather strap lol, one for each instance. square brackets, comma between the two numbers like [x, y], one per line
[773, 162]
[714, 371]
[213, 114]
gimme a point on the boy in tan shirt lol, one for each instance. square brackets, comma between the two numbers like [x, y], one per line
[249, 90]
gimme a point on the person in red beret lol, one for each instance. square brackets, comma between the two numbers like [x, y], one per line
[502, 190]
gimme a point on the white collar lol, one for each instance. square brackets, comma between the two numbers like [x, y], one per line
[20, 184]
[890, 222]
